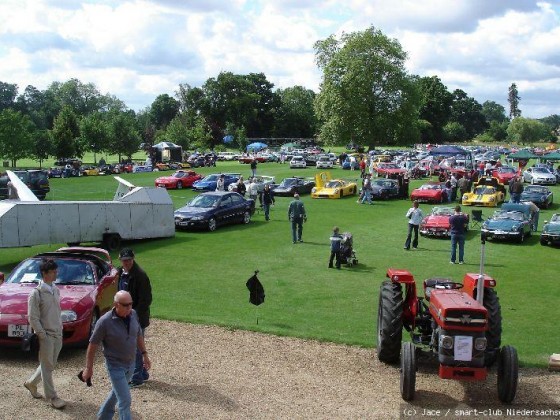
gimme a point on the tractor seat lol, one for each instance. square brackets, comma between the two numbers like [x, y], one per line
[437, 283]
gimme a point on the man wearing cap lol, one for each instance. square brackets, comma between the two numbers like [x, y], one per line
[297, 215]
[135, 281]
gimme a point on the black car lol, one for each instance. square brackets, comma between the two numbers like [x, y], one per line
[36, 180]
[385, 188]
[212, 209]
[289, 186]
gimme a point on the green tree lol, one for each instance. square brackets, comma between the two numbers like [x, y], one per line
[498, 130]
[454, 132]
[525, 130]
[163, 110]
[16, 133]
[553, 123]
[295, 116]
[200, 134]
[178, 132]
[467, 112]
[493, 111]
[124, 138]
[366, 95]
[8, 93]
[41, 146]
[65, 135]
[435, 108]
[94, 134]
[513, 99]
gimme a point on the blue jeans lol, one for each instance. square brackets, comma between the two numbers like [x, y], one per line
[266, 208]
[366, 197]
[140, 373]
[515, 197]
[411, 228]
[120, 392]
[457, 239]
[297, 229]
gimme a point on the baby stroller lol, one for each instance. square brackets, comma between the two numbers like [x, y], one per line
[347, 254]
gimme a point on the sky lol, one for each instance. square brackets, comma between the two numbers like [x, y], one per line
[139, 49]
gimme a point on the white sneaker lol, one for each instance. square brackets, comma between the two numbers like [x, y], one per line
[58, 403]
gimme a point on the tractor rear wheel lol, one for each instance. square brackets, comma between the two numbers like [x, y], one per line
[389, 322]
[508, 374]
[408, 371]
[494, 333]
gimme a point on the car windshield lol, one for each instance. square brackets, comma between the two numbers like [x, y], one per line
[388, 166]
[333, 184]
[288, 182]
[69, 272]
[536, 189]
[384, 183]
[509, 215]
[430, 187]
[180, 174]
[204, 201]
[210, 178]
[483, 189]
[541, 171]
[555, 218]
[506, 170]
[442, 211]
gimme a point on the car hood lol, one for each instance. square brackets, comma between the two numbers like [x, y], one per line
[426, 193]
[192, 211]
[13, 297]
[164, 179]
[436, 221]
[532, 196]
[552, 228]
[502, 224]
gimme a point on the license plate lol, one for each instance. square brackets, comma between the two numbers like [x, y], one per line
[18, 330]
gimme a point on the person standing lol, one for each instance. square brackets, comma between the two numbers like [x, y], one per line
[336, 239]
[297, 215]
[366, 190]
[453, 181]
[535, 211]
[120, 332]
[516, 190]
[135, 281]
[415, 216]
[43, 309]
[241, 189]
[221, 183]
[463, 185]
[267, 200]
[254, 167]
[458, 224]
[253, 189]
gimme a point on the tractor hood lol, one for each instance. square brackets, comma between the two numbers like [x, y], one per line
[453, 309]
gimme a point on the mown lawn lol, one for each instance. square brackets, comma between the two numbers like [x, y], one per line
[200, 277]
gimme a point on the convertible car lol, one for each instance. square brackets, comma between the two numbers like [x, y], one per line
[289, 186]
[436, 224]
[261, 181]
[540, 195]
[384, 188]
[87, 282]
[389, 170]
[512, 221]
[504, 174]
[551, 231]
[488, 192]
[432, 192]
[178, 180]
[212, 209]
[326, 187]
[208, 183]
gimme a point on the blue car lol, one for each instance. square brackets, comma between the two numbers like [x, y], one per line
[551, 231]
[208, 183]
[512, 221]
[212, 209]
[540, 195]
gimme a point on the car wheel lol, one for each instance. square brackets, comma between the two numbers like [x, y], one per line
[179, 185]
[246, 217]
[543, 242]
[212, 224]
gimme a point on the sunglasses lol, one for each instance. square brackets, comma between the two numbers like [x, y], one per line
[126, 305]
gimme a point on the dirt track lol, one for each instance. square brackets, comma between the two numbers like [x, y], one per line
[210, 372]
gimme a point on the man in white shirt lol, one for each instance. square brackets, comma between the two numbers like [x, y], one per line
[415, 216]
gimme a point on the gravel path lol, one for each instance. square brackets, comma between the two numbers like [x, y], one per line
[216, 373]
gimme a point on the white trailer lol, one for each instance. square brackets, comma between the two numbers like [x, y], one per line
[134, 213]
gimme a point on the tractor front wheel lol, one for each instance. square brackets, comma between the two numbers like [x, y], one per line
[494, 332]
[408, 371]
[389, 322]
[508, 374]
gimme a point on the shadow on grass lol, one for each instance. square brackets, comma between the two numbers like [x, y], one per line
[201, 394]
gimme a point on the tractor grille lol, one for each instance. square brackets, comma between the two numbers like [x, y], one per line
[462, 318]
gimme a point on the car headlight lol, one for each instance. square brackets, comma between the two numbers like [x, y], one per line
[446, 342]
[68, 316]
[480, 343]
[336, 190]
[514, 227]
[491, 199]
[197, 218]
[465, 196]
[314, 190]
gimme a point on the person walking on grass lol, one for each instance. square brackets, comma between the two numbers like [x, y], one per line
[267, 200]
[458, 223]
[43, 309]
[414, 216]
[336, 239]
[297, 215]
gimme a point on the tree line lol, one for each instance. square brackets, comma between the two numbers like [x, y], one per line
[366, 97]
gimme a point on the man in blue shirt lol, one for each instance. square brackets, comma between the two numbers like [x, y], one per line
[458, 224]
[336, 238]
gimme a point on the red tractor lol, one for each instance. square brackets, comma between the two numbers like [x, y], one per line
[460, 323]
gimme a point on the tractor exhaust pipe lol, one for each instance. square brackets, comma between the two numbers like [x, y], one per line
[480, 282]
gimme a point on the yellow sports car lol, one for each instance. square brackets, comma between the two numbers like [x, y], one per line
[487, 192]
[90, 171]
[325, 187]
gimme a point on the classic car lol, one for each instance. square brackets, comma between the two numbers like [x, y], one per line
[431, 192]
[488, 192]
[142, 168]
[511, 221]
[55, 172]
[389, 170]
[212, 209]
[178, 180]
[249, 159]
[539, 175]
[178, 165]
[538, 194]
[326, 187]
[504, 174]
[208, 183]
[384, 188]
[289, 186]
[89, 170]
[261, 181]
[551, 231]
[37, 181]
[437, 222]
[324, 162]
[228, 156]
[298, 162]
[87, 282]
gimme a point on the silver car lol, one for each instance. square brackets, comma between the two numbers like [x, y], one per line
[539, 175]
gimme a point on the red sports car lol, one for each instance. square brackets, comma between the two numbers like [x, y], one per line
[389, 170]
[432, 192]
[504, 174]
[437, 223]
[179, 179]
[249, 159]
[87, 282]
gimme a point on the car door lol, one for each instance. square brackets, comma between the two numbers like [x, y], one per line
[224, 212]
[237, 208]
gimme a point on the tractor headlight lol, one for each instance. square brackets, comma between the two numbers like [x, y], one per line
[480, 343]
[446, 342]
[68, 316]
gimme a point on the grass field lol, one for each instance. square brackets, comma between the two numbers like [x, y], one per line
[200, 277]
